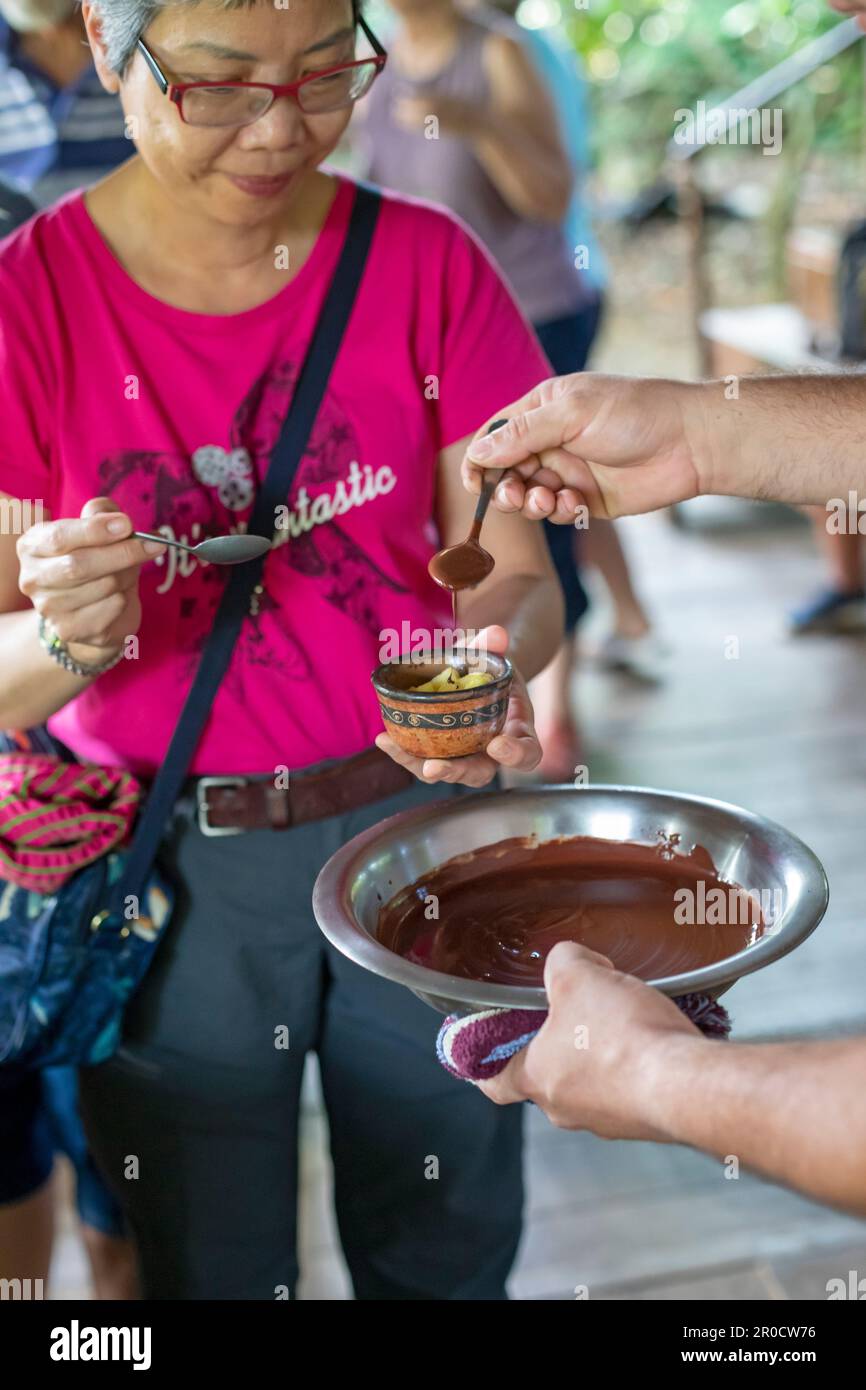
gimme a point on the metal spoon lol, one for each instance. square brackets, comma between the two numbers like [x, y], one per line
[465, 565]
[218, 550]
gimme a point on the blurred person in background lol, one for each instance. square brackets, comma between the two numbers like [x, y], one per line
[39, 1120]
[630, 646]
[839, 606]
[59, 129]
[15, 208]
[462, 116]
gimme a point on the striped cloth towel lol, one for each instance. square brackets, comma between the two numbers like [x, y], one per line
[479, 1046]
[56, 817]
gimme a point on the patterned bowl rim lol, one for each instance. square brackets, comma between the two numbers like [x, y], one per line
[481, 692]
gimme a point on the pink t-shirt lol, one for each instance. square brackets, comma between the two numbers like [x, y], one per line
[105, 390]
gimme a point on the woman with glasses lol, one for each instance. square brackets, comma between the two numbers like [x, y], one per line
[151, 332]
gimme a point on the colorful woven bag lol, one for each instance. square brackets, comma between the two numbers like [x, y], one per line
[67, 967]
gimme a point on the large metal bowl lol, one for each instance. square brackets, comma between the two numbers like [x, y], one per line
[746, 849]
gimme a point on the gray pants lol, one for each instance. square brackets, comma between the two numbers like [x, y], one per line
[195, 1120]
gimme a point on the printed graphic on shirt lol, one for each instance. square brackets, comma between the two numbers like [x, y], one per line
[212, 492]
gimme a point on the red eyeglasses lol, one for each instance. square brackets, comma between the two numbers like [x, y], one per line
[227, 104]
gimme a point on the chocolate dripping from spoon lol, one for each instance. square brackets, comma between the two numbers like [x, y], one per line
[467, 564]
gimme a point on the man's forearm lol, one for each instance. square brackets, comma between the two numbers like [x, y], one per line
[792, 1111]
[531, 608]
[798, 439]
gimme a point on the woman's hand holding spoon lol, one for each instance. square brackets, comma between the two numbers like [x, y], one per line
[81, 574]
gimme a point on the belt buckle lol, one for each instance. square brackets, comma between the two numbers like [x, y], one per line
[203, 787]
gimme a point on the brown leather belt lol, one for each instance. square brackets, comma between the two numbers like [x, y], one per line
[231, 805]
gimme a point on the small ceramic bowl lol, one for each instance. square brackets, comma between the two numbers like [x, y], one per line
[429, 725]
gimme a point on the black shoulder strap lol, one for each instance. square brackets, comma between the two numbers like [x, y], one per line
[274, 492]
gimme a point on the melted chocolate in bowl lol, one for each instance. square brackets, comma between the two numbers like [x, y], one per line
[502, 908]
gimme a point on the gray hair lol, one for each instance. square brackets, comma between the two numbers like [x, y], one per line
[124, 22]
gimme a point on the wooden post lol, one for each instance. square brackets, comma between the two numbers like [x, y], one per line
[690, 205]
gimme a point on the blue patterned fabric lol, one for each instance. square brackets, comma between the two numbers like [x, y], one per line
[63, 985]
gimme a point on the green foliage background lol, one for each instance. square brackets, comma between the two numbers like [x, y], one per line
[681, 50]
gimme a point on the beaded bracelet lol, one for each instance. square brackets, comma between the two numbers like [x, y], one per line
[59, 652]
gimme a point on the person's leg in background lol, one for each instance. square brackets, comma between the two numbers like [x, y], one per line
[567, 343]
[427, 1173]
[110, 1251]
[27, 1235]
[630, 646]
[26, 1189]
[600, 546]
[602, 549]
[39, 1120]
[551, 691]
[841, 605]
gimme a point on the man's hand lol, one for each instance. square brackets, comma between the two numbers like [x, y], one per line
[620, 447]
[610, 444]
[516, 747]
[601, 1051]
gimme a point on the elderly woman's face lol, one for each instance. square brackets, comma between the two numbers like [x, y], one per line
[236, 176]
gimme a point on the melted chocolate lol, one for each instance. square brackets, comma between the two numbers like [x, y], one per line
[462, 566]
[468, 564]
[502, 908]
